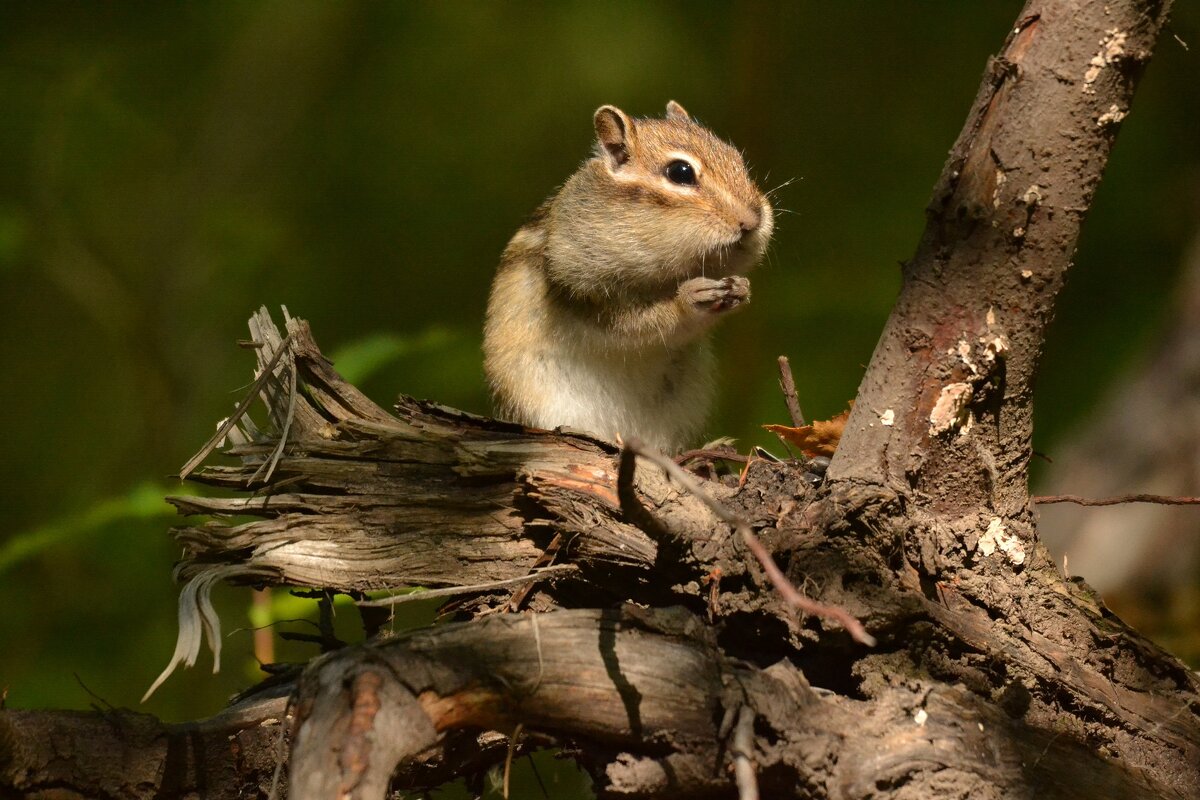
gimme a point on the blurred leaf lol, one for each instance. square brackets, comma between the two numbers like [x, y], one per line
[360, 360]
[141, 502]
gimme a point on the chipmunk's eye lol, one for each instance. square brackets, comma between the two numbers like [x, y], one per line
[681, 172]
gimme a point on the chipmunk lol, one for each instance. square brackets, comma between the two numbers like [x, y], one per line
[600, 306]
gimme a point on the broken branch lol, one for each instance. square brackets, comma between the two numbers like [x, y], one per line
[782, 585]
[1160, 499]
[788, 384]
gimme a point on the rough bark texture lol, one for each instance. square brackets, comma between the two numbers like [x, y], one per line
[119, 753]
[993, 676]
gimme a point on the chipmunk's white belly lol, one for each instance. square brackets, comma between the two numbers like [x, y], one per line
[659, 395]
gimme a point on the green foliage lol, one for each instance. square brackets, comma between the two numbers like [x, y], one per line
[144, 501]
[363, 359]
[285, 607]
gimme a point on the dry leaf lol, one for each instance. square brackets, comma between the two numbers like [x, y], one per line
[819, 439]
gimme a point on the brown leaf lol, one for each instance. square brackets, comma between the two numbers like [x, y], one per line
[819, 439]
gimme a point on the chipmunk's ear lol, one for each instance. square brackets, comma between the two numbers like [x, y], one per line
[676, 111]
[614, 134]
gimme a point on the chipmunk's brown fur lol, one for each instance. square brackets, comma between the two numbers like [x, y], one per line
[598, 311]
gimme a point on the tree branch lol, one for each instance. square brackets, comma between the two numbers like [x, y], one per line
[958, 355]
[1160, 499]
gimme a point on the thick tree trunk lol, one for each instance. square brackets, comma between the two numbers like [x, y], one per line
[666, 662]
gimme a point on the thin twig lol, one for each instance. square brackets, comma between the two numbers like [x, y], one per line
[544, 560]
[242, 407]
[774, 574]
[631, 506]
[537, 776]
[508, 758]
[280, 752]
[793, 596]
[743, 750]
[537, 643]
[95, 696]
[1161, 499]
[285, 429]
[710, 455]
[555, 571]
[788, 384]
[325, 623]
[681, 477]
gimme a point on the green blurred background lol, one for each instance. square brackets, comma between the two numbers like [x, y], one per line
[167, 167]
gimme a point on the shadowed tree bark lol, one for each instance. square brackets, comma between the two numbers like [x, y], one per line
[613, 613]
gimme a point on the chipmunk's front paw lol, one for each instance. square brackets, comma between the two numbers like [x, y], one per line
[713, 295]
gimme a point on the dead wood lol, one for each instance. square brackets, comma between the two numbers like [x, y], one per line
[120, 753]
[993, 676]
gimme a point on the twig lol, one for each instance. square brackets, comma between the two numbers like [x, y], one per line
[743, 749]
[544, 560]
[710, 455]
[1161, 499]
[269, 465]
[242, 407]
[264, 635]
[805, 604]
[326, 643]
[745, 471]
[537, 776]
[280, 752]
[636, 513]
[537, 643]
[87, 689]
[774, 574]
[508, 758]
[549, 572]
[681, 477]
[325, 624]
[788, 384]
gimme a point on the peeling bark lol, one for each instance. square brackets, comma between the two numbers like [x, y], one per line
[993, 676]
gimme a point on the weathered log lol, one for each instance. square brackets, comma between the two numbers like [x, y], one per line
[473, 678]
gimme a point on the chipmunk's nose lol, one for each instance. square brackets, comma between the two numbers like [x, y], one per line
[750, 219]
